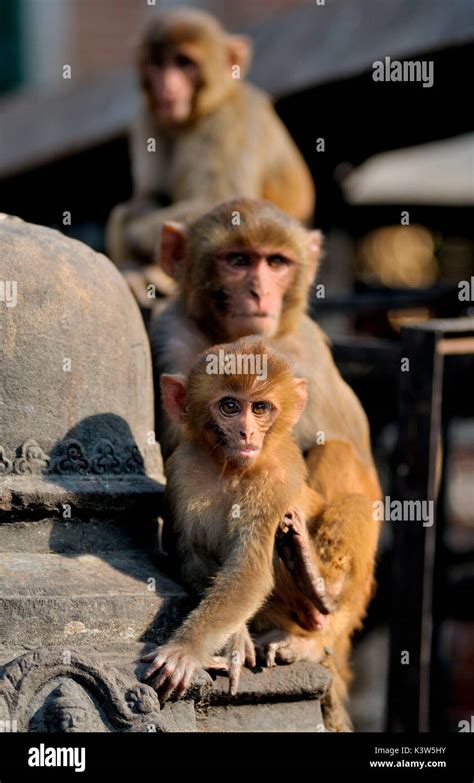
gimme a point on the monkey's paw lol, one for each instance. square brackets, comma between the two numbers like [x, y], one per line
[176, 664]
[239, 652]
[278, 646]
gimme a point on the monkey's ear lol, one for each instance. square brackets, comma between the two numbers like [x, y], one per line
[315, 253]
[240, 50]
[173, 395]
[172, 247]
[300, 399]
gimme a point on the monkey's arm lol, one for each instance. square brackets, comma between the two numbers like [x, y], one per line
[237, 592]
[235, 595]
[211, 163]
[142, 233]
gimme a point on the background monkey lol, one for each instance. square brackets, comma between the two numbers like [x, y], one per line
[216, 137]
[237, 452]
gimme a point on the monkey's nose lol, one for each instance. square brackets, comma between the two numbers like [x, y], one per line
[256, 294]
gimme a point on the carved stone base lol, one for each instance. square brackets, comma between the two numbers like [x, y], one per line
[60, 690]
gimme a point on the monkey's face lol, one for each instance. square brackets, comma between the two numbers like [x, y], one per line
[172, 81]
[239, 424]
[251, 288]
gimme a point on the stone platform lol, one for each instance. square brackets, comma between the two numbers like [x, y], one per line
[80, 602]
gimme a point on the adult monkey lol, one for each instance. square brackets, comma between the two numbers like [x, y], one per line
[246, 268]
[216, 137]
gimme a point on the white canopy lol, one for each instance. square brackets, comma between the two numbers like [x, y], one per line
[439, 173]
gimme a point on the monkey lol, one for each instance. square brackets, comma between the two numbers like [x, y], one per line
[216, 137]
[247, 268]
[251, 536]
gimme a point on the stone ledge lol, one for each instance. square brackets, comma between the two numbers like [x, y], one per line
[23, 496]
[53, 599]
[57, 689]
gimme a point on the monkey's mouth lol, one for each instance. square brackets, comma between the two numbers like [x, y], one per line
[242, 454]
[248, 452]
[256, 314]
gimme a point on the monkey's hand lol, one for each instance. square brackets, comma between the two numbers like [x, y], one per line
[295, 550]
[176, 664]
[239, 652]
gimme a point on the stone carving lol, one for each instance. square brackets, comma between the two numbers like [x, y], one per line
[48, 690]
[104, 459]
[32, 459]
[5, 463]
[134, 462]
[141, 699]
[69, 458]
[67, 709]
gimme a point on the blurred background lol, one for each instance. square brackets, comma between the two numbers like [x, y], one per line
[377, 152]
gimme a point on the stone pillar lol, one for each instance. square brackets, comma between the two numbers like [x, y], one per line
[76, 406]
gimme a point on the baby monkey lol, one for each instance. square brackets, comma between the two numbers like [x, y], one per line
[249, 534]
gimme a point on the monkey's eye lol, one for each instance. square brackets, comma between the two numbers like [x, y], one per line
[229, 407]
[238, 259]
[182, 61]
[276, 261]
[261, 408]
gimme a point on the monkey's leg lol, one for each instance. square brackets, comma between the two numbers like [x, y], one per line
[142, 234]
[293, 543]
[120, 231]
[282, 647]
[115, 235]
[336, 717]
[130, 244]
[143, 231]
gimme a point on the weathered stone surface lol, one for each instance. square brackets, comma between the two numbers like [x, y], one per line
[279, 683]
[53, 599]
[76, 382]
[283, 698]
[79, 535]
[304, 716]
[84, 584]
